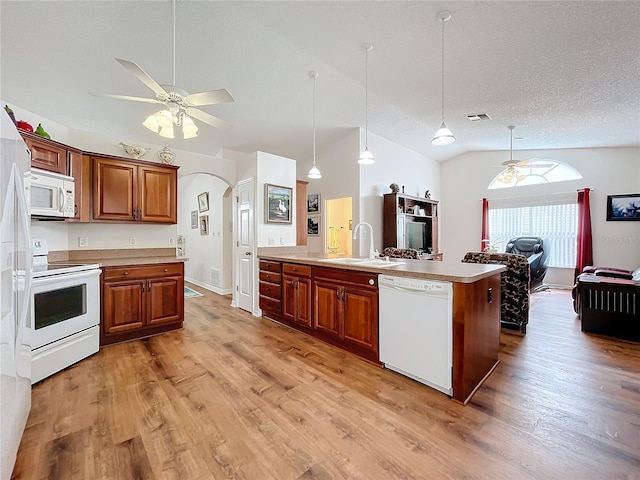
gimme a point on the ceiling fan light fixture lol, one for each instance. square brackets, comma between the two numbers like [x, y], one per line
[166, 132]
[151, 123]
[443, 136]
[164, 119]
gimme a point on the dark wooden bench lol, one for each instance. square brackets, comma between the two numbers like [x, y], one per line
[609, 306]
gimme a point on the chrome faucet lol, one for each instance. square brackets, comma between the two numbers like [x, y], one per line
[355, 235]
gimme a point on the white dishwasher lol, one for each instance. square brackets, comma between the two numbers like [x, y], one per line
[416, 329]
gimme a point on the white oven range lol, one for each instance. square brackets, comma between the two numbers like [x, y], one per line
[65, 313]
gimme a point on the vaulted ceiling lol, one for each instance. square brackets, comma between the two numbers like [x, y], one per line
[567, 74]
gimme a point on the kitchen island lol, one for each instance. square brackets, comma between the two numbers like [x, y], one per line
[335, 300]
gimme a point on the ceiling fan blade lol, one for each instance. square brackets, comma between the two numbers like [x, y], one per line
[212, 97]
[206, 118]
[126, 97]
[143, 76]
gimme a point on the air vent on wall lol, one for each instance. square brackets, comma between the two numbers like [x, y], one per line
[478, 117]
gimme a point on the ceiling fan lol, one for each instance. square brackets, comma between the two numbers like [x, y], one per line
[179, 104]
[515, 169]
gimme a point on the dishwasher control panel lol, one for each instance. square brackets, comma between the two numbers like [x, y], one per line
[413, 284]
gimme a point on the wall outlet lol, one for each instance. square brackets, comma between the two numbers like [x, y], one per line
[83, 242]
[281, 240]
[272, 241]
[132, 241]
[172, 241]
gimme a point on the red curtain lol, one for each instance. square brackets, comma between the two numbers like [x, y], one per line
[485, 224]
[584, 240]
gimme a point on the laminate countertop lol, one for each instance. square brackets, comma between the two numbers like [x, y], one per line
[118, 257]
[448, 271]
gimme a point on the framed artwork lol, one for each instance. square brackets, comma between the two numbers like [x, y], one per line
[194, 219]
[313, 203]
[313, 226]
[204, 225]
[623, 207]
[277, 204]
[203, 202]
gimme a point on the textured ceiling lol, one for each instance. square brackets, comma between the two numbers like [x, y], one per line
[567, 74]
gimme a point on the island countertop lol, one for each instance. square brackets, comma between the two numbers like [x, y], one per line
[448, 271]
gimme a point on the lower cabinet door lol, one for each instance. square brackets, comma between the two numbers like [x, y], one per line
[123, 306]
[361, 317]
[303, 299]
[327, 308]
[166, 302]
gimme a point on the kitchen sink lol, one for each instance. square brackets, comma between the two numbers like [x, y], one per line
[365, 262]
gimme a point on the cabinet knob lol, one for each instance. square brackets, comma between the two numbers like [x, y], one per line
[166, 270]
[126, 273]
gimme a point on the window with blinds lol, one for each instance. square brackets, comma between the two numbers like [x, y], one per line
[556, 223]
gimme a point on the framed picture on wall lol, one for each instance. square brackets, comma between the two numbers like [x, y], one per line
[204, 225]
[313, 203]
[313, 226]
[623, 207]
[277, 204]
[194, 219]
[203, 202]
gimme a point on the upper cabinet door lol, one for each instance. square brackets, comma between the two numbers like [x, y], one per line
[114, 189]
[47, 156]
[157, 191]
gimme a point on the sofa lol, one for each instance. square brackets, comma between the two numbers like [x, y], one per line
[607, 301]
[514, 287]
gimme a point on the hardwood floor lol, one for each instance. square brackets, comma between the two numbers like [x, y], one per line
[234, 396]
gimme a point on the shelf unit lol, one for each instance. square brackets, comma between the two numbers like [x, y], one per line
[400, 210]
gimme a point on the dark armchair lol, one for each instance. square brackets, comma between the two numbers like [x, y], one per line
[537, 256]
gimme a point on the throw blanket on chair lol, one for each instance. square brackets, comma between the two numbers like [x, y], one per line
[514, 285]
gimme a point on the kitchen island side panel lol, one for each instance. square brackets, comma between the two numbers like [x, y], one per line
[476, 334]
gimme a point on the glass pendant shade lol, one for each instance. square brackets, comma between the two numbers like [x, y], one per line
[166, 132]
[314, 173]
[162, 123]
[366, 158]
[151, 123]
[443, 136]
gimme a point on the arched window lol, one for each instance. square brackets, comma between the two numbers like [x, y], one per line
[532, 172]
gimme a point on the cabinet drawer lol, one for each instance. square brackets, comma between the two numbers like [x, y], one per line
[142, 271]
[270, 305]
[270, 266]
[270, 277]
[270, 290]
[298, 270]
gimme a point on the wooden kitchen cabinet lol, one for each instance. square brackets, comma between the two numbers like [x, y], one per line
[270, 287]
[296, 293]
[141, 300]
[46, 154]
[80, 170]
[346, 309]
[133, 191]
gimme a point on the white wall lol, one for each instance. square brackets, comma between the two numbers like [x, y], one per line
[206, 253]
[394, 164]
[342, 176]
[464, 181]
[274, 170]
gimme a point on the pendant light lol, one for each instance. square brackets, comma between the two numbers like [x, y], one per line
[443, 136]
[366, 158]
[314, 173]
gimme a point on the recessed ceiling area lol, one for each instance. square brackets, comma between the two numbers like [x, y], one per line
[567, 73]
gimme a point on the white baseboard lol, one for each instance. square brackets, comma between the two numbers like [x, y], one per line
[211, 288]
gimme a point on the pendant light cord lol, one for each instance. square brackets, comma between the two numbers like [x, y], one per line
[442, 112]
[366, 99]
[314, 121]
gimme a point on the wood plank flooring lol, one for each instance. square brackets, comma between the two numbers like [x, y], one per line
[232, 396]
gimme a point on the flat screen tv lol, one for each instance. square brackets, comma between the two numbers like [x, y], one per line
[417, 236]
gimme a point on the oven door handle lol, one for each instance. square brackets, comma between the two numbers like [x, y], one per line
[56, 279]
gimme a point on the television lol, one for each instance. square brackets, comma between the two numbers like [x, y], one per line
[417, 236]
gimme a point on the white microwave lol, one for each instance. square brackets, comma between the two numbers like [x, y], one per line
[51, 194]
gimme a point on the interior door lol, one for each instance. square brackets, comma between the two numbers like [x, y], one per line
[244, 248]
